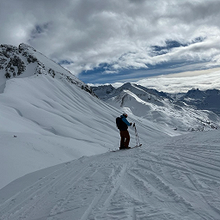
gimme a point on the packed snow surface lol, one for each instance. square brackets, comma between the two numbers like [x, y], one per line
[175, 178]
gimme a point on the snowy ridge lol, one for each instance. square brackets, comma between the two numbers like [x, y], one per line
[25, 61]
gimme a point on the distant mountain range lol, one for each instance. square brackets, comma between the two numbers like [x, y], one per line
[203, 100]
[194, 110]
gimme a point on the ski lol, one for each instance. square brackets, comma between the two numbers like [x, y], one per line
[126, 148]
[137, 146]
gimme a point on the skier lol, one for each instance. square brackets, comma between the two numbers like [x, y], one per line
[122, 125]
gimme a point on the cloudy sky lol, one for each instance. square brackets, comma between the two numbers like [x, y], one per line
[107, 41]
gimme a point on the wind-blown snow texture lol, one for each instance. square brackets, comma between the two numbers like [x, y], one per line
[55, 162]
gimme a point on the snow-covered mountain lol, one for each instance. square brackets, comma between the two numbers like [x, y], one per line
[178, 113]
[48, 116]
[55, 162]
[204, 100]
[24, 61]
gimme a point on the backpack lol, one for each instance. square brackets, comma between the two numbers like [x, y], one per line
[119, 122]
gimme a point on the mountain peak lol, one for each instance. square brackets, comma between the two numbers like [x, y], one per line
[25, 61]
[23, 46]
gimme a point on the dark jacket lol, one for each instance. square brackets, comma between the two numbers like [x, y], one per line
[125, 124]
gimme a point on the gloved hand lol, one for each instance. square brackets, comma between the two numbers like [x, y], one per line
[130, 124]
[134, 125]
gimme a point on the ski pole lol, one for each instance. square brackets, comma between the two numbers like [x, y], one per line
[137, 136]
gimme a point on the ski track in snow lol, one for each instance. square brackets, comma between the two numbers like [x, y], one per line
[143, 183]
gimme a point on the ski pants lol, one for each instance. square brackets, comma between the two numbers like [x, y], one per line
[125, 139]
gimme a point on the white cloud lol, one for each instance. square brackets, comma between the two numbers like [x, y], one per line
[119, 33]
[182, 82]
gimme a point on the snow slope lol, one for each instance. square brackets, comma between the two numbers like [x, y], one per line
[175, 178]
[52, 123]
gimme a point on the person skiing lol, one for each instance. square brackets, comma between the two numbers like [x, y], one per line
[122, 125]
